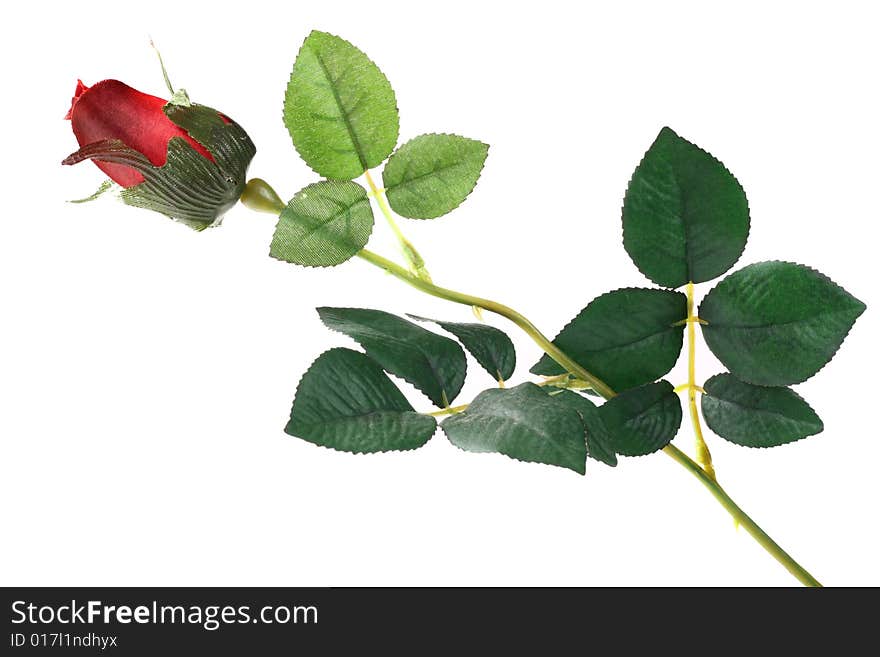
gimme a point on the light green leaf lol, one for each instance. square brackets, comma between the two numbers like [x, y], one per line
[489, 346]
[626, 338]
[433, 174]
[434, 364]
[756, 416]
[325, 224]
[345, 401]
[339, 108]
[642, 420]
[523, 423]
[777, 323]
[600, 444]
[685, 217]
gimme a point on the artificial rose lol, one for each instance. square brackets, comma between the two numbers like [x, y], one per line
[182, 159]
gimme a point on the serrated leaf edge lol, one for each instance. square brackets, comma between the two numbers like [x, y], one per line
[403, 378]
[440, 323]
[680, 419]
[864, 307]
[297, 264]
[512, 458]
[283, 122]
[604, 294]
[466, 196]
[794, 392]
[587, 432]
[346, 451]
[723, 166]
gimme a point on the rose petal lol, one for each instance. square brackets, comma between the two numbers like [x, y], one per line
[112, 110]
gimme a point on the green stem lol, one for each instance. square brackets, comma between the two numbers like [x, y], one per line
[564, 381]
[412, 255]
[162, 66]
[741, 517]
[704, 456]
[263, 198]
[603, 389]
[492, 306]
[449, 410]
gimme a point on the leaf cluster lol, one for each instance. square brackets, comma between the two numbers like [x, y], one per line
[685, 219]
[342, 116]
[347, 400]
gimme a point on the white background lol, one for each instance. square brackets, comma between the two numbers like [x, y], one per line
[146, 371]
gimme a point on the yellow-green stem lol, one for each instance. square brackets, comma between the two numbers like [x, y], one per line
[409, 251]
[492, 306]
[449, 410]
[268, 202]
[686, 386]
[704, 457]
[741, 517]
[603, 389]
[564, 381]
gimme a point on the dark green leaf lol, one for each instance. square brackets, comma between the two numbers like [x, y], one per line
[433, 174]
[756, 416]
[777, 323]
[685, 217]
[491, 347]
[345, 401]
[523, 423]
[626, 337]
[325, 224]
[432, 363]
[600, 444]
[642, 420]
[339, 108]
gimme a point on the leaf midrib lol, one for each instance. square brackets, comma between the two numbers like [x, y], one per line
[414, 179]
[824, 313]
[688, 253]
[311, 230]
[762, 411]
[407, 345]
[359, 416]
[627, 344]
[343, 114]
[545, 437]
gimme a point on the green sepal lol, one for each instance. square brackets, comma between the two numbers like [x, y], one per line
[103, 188]
[180, 97]
[188, 187]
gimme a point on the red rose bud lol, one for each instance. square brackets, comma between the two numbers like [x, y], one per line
[182, 159]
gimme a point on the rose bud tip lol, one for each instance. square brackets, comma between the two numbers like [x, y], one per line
[80, 90]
